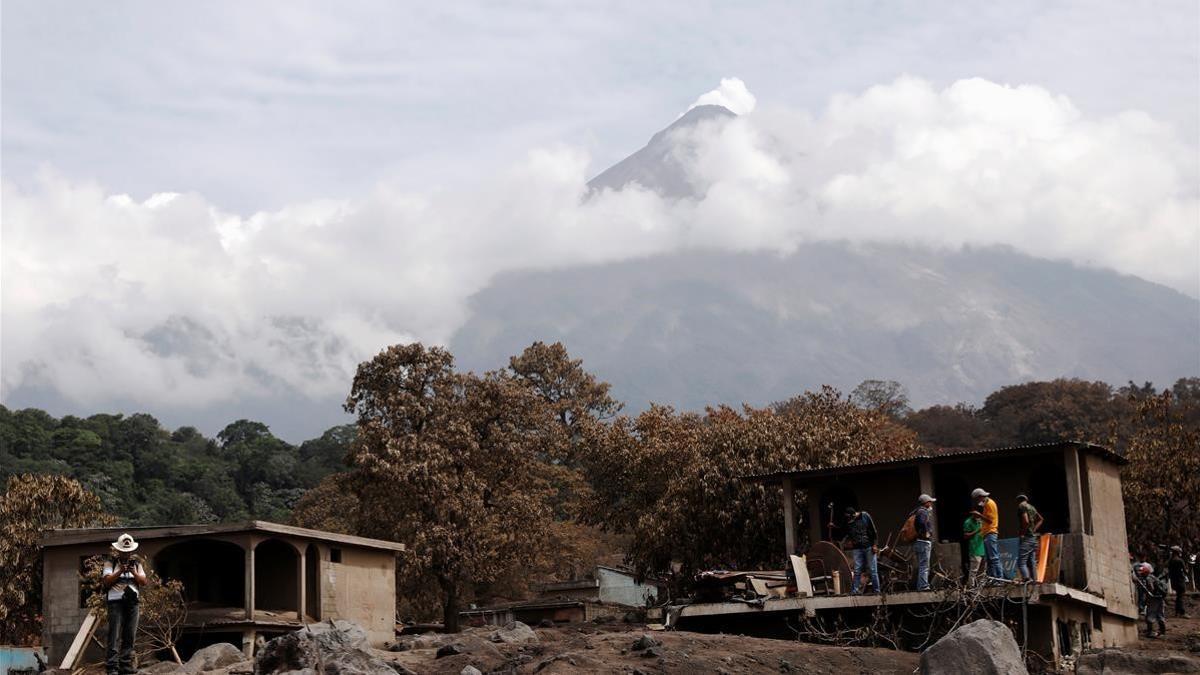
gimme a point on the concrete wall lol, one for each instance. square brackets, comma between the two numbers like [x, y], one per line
[622, 589]
[361, 588]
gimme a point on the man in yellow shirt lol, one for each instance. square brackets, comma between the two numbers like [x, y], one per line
[989, 515]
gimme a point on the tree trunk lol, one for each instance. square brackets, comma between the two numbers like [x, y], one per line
[450, 607]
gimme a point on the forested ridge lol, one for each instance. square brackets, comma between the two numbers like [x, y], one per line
[148, 475]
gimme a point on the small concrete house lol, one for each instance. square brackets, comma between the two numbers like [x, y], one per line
[242, 581]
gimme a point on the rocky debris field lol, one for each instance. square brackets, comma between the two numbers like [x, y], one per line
[340, 649]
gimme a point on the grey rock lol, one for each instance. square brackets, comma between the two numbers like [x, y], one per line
[213, 657]
[160, 668]
[644, 642]
[339, 634]
[1121, 662]
[449, 650]
[337, 648]
[514, 632]
[983, 647]
[470, 670]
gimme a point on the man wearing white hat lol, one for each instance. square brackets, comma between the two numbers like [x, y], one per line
[122, 580]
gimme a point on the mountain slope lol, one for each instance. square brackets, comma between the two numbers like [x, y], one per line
[658, 166]
[701, 328]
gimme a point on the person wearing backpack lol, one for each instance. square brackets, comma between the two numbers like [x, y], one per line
[864, 540]
[923, 544]
[1152, 588]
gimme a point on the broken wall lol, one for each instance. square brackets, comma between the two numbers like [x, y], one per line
[360, 588]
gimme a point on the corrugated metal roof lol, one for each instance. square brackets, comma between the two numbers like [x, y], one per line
[939, 456]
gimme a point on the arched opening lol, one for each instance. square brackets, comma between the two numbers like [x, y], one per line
[312, 582]
[275, 572]
[213, 572]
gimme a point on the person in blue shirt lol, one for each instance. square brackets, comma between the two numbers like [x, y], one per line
[864, 543]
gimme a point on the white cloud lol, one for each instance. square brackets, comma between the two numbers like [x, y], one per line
[171, 300]
[731, 94]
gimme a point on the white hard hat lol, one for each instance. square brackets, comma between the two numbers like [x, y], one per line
[125, 543]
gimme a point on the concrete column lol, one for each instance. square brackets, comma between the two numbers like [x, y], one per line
[925, 477]
[248, 638]
[814, 517]
[250, 583]
[1074, 488]
[789, 517]
[301, 586]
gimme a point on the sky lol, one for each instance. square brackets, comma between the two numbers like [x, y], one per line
[216, 210]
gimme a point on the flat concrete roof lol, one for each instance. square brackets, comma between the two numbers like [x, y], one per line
[94, 535]
[809, 605]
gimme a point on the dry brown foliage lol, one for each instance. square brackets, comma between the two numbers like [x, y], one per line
[30, 505]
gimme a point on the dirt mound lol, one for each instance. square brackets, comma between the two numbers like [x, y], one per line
[621, 649]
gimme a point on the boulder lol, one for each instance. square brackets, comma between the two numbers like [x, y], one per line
[644, 642]
[336, 648]
[983, 647]
[213, 657]
[513, 632]
[470, 670]
[1121, 662]
[448, 650]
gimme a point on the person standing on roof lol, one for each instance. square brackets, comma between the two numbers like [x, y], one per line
[122, 580]
[923, 544]
[1153, 590]
[1177, 573]
[864, 540]
[989, 515]
[1030, 522]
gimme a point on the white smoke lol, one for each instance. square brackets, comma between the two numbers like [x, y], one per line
[169, 300]
[732, 94]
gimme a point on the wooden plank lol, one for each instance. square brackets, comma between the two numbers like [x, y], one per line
[1043, 555]
[800, 569]
[71, 658]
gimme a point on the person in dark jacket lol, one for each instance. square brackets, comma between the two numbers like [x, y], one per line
[1177, 574]
[1153, 590]
[860, 531]
[923, 546]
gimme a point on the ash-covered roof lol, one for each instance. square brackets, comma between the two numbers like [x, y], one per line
[939, 456]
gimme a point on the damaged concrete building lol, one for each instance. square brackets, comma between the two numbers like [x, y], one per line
[242, 581]
[1085, 598]
[605, 591]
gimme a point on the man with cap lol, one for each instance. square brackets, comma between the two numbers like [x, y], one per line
[989, 515]
[122, 580]
[860, 530]
[1151, 588]
[923, 544]
[1030, 522]
[1177, 573]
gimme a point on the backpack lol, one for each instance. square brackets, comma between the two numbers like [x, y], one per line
[908, 531]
